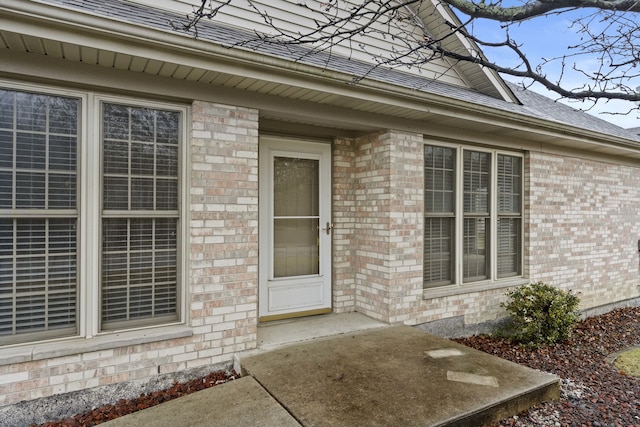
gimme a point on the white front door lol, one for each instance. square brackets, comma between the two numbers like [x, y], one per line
[295, 228]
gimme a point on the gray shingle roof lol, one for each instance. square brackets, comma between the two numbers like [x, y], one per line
[542, 107]
[533, 104]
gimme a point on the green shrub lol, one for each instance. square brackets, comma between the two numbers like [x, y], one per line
[541, 314]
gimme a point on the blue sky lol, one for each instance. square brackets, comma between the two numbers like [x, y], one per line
[549, 37]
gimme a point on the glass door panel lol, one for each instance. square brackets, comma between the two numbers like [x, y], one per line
[296, 216]
[295, 247]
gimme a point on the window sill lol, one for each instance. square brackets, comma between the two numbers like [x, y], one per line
[76, 345]
[451, 290]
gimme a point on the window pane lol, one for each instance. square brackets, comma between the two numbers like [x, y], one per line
[136, 276]
[477, 167]
[296, 247]
[115, 235]
[509, 247]
[438, 252]
[140, 302]
[439, 179]
[165, 300]
[142, 124]
[475, 249]
[115, 122]
[509, 184]
[31, 151]
[6, 190]
[31, 111]
[30, 190]
[141, 234]
[62, 309]
[115, 270]
[142, 194]
[142, 156]
[7, 109]
[140, 267]
[166, 194]
[62, 153]
[30, 237]
[295, 186]
[38, 279]
[6, 149]
[115, 193]
[116, 157]
[32, 154]
[168, 123]
[63, 116]
[114, 303]
[166, 233]
[29, 312]
[166, 268]
[167, 160]
[6, 238]
[62, 191]
[134, 164]
[62, 236]
[30, 274]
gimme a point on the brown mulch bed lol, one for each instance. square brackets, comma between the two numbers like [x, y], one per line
[593, 392]
[126, 406]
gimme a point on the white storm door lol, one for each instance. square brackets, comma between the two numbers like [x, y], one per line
[295, 228]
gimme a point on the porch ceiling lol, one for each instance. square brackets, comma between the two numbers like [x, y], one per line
[367, 106]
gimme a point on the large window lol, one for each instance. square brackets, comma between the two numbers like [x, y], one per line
[473, 216]
[43, 202]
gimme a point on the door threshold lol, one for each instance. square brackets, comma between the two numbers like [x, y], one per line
[278, 334]
[295, 315]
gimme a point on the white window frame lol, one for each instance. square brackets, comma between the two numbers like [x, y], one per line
[89, 337]
[458, 284]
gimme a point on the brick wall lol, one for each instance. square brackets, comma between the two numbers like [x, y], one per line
[584, 226]
[222, 278]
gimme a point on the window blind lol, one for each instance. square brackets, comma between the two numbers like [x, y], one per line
[439, 184]
[139, 261]
[38, 216]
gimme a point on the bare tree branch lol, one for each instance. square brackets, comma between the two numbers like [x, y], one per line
[608, 31]
[496, 11]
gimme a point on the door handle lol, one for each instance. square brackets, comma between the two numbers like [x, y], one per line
[328, 228]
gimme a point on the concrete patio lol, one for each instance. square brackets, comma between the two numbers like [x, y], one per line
[349, 370]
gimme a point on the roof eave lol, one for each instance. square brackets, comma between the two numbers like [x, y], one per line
[18, 15]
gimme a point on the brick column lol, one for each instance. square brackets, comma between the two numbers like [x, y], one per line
[344, 220]
[388, 229]
[224, 227]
